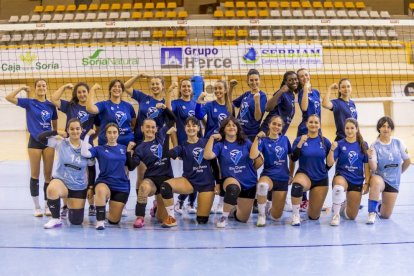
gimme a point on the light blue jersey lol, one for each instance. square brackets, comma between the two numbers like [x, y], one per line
[389, 158]
[71, 167]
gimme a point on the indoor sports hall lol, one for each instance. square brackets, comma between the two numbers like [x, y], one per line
[370, 43]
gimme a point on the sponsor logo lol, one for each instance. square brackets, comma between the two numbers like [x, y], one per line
[96, 59]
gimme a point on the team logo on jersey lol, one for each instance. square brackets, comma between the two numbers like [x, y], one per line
[344, 148]
[352, 157]
[221, 117]
[279, 152]
[183, 107]
[198, 154]
[191, 113]
[317, 105]
[153, 112]
[157, 151]
[353, 112]
[244, 109]
[45, 116]
[120, 117]
[122, 151]
[83, 116]
[235, 156]
[305, 144]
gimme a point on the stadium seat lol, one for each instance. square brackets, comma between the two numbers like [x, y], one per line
[169, 34]
[324, 33]
[262, 5]
[381, 33]
[218, 14]
[301, 33]
[148, 14]
[27, 37]
[126, 6]
[251, 4]
[14, 19]
[157, 34]
[82, 8]
[297, 13]
[353, 14]
[360, 5]
[330, 13]
[171, 14]
[79, 17]
[38, 9]
[347, 32]
[229, 4]
[125, 15]
[16, 37]
[24, 19]
[240, 5]
[72, 8]
[242, 33]
[274, 13]
[328, 5]
[335, 33]
[349, 5]
[121, 35]
[5, 38]
[133, 34]
[341, 14]
[109, 35]
[320, 13]
[287, 14]
[218, 33]
[263, 13]
[317, 5]
[62, 36]
[284, 5]
[47, 17]
[273, 4]
[385, 15]
[113, 15]
[182, 14]
[363, 14]
[160, 6]
[137, 6]
[181, 33]
[93, 7]
[252, 13]
[104, 7]
[308, 13]
[295, 5]
[35, 18]
[136, 15]
[266, 33]
[51, 36]
[254, 33]
[90, 16]
[306, 5]
[102, 16]
[313, 32]
[159, 14]
[374, 14]
[359, 33]
[66, 17]
[171, 5]
[86, 35]
[241, 13]
[229, 14]
[149, 6]
[278, 33]
[74, 35]
[98, 35]
[392, 34]
[49, 9]
[230, 33]
[339, 5]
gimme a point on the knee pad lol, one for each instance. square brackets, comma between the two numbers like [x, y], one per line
[113, 222]
[231, 194]
[262, 189]
[166, 191]
[310, 218]
[202, 220]
[34, 187]
[338, 194]
[297, 190]
[76, 216]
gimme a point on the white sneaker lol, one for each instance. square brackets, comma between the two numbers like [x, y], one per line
[295, 220]
[64, 212]
[288, 206]
[371, 218]
[100, 225]
[261, 220]
[190, 209]
[124, 212]
[336, 220]
[219, 208]
[38, 213]
[47, 211]
[53, 223]
[178, 207]
[222, 222]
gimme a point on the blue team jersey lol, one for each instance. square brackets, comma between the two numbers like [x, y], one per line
[285, 108]
[235, 162]
[146, 110]
[343, 110]
[70, 166]
[314, 107]
[275, 153]
[182, 110]
[215, 112]
[195, 168]
[350, 161]
[312, 159]
[121, 114]
[112, 161]
[389, 158]
[79, 112]
[154, 155]
[246, 113]
[39, 115]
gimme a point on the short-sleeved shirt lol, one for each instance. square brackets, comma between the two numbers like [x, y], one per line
[39, 115]
[120, 114]
[246, 113]
[112, 161]
[215, 112]
[312, 159]
[182, 110]
[350, 161]
[275, 153]
[343, 110]
[73, 110]
[314, 107]
[285, 108]
[235, 162]
[389, 159]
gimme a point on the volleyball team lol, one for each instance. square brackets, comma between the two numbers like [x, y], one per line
[223, 161]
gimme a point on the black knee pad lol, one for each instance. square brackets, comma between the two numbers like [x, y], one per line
[34, 187]
[313, 218]
[297, 190]
[166, 191]
[113, 222]
[76, 216]
[202, 220]
[231, 195]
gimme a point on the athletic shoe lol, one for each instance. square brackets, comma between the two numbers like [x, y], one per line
[124, 212]
[100, 225]
[64, 212]
[92, 210]
[336, 220]
[139, 222]
[261, 220]
[153, 210]
[169, 222]
[53, 223]
[304, 206]
[191, 209]
[371, 218]
[219, 208]
[47, 211]
[295, 220]
[222, 222]
[288, 206]
[38, 213]
[179, 207]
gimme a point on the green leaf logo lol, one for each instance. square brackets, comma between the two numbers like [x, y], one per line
[96, 54]
[28, 58]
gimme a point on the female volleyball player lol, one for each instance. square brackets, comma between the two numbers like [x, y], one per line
[153, 152]
[237, 169]
[197, 175]
[112, 183]
[311, 150]
[76, 108]
[275, 148]
[349, 183]
[41, 116]
[343, 107]
[388, 160]
[70, 177]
